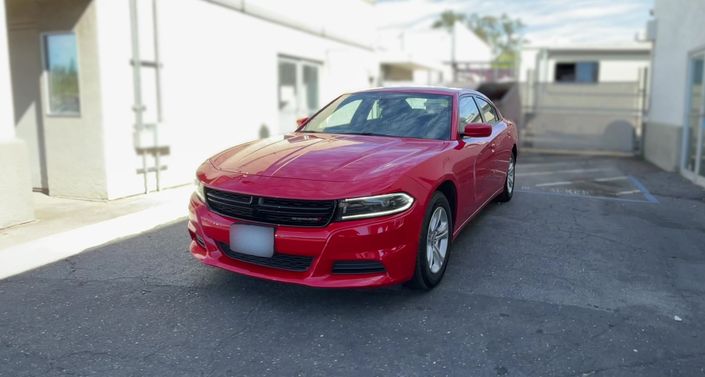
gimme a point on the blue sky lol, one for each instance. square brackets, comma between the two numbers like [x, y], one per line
[61, 50]
[547, 21]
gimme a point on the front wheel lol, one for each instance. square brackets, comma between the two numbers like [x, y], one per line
[434, 244]
[506, 195]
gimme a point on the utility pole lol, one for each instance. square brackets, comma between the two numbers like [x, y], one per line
[453, 63]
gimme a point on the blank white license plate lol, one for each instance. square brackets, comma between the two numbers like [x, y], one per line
[252, 239]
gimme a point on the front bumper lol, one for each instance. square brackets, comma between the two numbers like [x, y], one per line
[390, 240]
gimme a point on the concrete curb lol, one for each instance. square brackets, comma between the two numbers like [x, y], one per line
[37, 253]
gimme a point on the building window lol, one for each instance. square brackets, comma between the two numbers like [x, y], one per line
[61, 65]
[298, 86]
[311, 87]
[581, 72]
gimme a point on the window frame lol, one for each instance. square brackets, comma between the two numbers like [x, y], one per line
[46, 90]
[492, 106]
[575, 73]
[300, 92]
[479, 112]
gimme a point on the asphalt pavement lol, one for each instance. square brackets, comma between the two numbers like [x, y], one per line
[595, 268]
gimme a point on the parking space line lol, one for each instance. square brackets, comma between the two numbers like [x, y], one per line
[550, 193]
[628, 192]
[643, 189]
[609, 179]
[527, 174]
[559, 183]
[550, 164]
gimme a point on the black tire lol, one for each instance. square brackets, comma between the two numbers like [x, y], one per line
[424, 278]
[508, 191]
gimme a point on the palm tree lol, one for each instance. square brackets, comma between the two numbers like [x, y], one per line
[447, 21]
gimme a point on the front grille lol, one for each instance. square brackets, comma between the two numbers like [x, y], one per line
[357, 267]
[287, 262]
[271, 210]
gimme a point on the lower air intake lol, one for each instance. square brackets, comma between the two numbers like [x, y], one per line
[298, 263]
[357, 267]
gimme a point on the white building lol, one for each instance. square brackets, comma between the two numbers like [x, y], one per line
[675, 127]
[113, 98]
[584, 97]
[423, 56]
[585, 63]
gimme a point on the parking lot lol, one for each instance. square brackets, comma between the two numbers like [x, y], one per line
[595, 268]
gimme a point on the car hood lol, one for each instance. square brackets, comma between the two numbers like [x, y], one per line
[326, 157]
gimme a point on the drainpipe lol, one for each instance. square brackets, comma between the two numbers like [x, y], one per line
[453, 63]
[158, 83]
[137, 107]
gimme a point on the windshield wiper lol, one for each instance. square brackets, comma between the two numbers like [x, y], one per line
[363, 134]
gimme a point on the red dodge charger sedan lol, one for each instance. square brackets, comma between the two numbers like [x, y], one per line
[370, 191]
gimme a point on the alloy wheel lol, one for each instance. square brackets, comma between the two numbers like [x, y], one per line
[510, 176]
[437, 239]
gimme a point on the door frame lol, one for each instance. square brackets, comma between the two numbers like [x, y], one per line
[301, 99]
[693, 176]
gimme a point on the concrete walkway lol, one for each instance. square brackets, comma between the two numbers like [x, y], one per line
[65, 227]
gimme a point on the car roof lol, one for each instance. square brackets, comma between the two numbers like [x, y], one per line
[424, 89]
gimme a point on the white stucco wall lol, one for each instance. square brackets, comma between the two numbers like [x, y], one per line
[15, 184]
[527, 63]
[72, 144]
[679, 30]
[614, 65]
[114, 54]
[7, 129]
[624, 68]
[219, 77]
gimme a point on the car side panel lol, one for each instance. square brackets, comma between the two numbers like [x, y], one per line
[501, 154]
[471, 169]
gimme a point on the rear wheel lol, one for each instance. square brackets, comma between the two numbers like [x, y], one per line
[434, 245]
[506, 195]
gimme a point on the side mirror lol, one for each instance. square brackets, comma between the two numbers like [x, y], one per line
[302, 121]
[477, 130]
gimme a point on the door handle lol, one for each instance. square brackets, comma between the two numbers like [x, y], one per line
[492, 147]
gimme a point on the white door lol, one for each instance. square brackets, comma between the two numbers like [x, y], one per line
[298, 91]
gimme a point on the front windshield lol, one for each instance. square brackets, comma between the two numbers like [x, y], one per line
[415, 115]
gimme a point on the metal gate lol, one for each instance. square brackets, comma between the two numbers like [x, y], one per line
[604, 117]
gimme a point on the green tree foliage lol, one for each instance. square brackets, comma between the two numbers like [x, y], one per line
[447, 19]
[504, 34]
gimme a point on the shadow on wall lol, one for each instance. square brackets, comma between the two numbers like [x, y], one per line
[576, 131]
[619, 135]
[26, 23]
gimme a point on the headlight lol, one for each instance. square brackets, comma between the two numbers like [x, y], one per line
[373, 206]
[199, 190]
